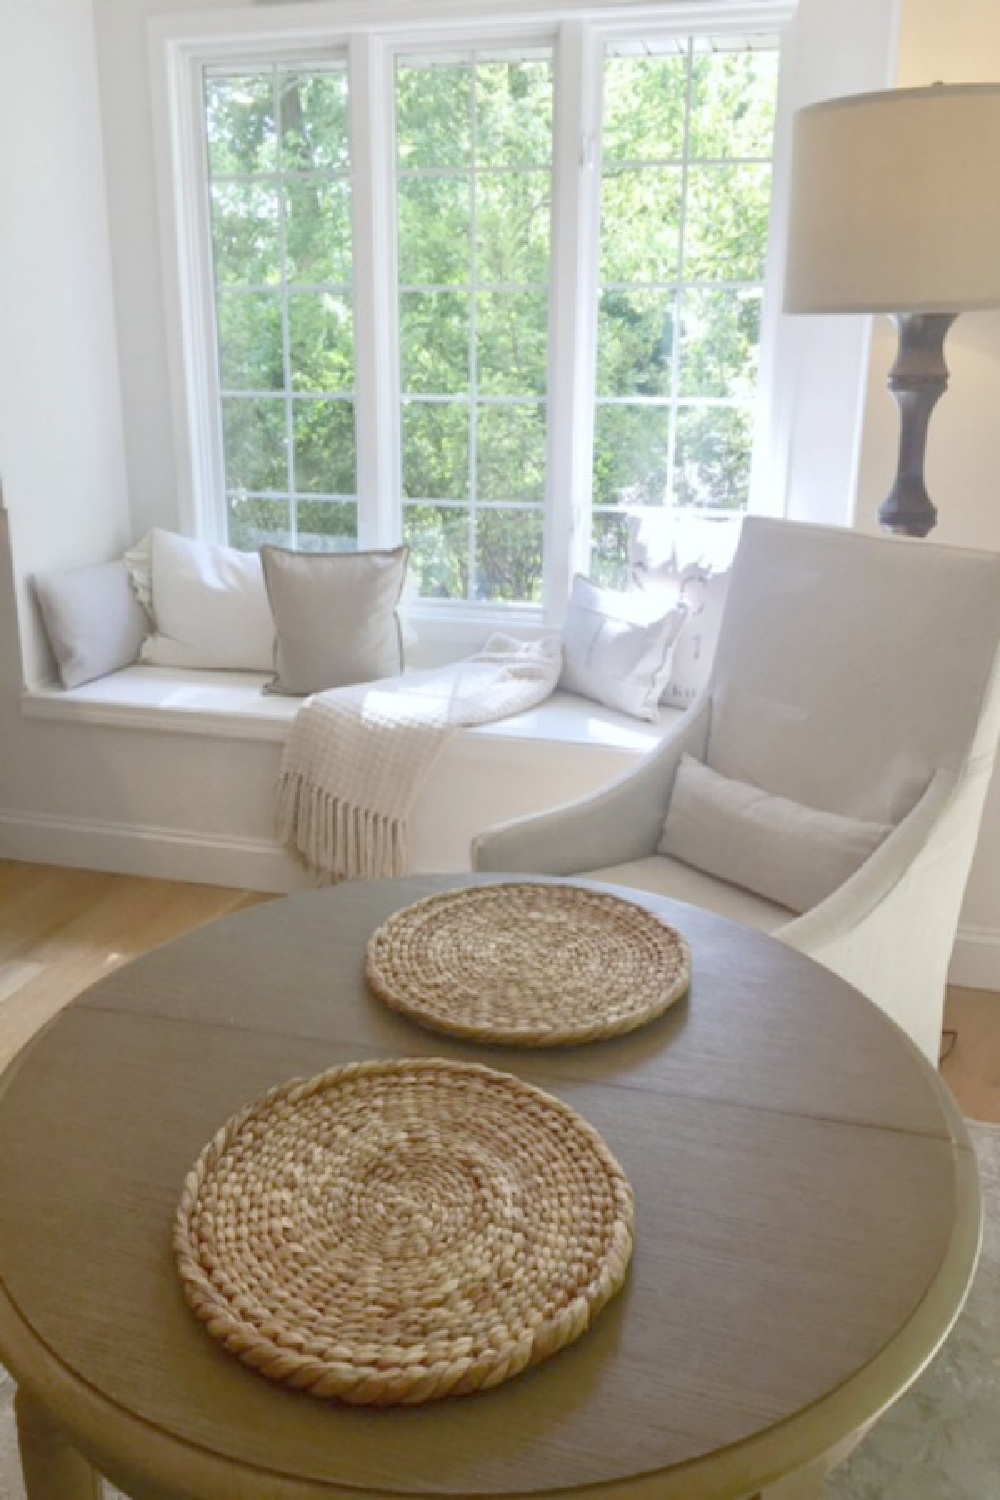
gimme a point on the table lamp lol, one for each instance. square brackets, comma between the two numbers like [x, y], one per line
[895, 208]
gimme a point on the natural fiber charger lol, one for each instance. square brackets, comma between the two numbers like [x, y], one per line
[528, 964]
[393, 1232]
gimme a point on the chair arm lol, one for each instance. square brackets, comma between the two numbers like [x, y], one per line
[620, 823]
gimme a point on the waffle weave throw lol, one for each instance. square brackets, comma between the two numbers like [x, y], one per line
[358, 756]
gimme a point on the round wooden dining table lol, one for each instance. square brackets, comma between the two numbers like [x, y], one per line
[807, 1224]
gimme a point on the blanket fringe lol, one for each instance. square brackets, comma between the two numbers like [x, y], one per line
[337, 840]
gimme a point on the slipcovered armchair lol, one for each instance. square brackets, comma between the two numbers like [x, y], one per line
[828, 784]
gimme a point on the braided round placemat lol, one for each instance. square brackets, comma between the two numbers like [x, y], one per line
[528, 964]
[393, 1232]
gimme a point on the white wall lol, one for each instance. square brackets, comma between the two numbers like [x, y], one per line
[61, 445]
[954, 43]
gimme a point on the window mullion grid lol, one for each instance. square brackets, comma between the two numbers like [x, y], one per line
[675, 351]
[286, 337]
[473, 308]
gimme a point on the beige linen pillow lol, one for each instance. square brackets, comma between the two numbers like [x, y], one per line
[335, 617]
[616, 650]
[779, 849]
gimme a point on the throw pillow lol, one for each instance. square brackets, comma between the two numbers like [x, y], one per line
[335, 617]
[615, 650]
[209, 606]
[781, 850]
[93, 620]
[704, 595]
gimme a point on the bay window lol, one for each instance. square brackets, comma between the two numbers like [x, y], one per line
[372, 228]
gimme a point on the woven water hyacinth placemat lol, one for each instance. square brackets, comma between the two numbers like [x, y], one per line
[528, 964]
[394, 1232]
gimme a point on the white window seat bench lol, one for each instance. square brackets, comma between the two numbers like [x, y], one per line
[171, 772]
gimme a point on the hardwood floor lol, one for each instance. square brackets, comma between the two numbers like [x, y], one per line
[62, 929]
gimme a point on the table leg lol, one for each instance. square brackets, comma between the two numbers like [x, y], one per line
[52, 1467]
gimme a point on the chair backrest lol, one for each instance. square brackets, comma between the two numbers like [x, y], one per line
[849, 667]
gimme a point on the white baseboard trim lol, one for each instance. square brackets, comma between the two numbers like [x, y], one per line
[975, 961]
[161, 853]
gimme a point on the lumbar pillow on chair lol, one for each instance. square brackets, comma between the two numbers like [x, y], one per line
[782, 850]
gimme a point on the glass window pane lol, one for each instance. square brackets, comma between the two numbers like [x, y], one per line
[635, 335]
[435, 451]
[513, 218]
[438, 538]
[434, 343]
[641, 225]
[720, 338]
[433, 115]
[732, 103]
[509, 556]
[609, 550]
[512, 343]
[434, 231]
[255, 444]
[323, 438]
[326, 526]
[631, 455]
[314, 124]
[318, 231]
[644, 103]
[514, 113]
[712, 459]
[249, 327]
[510, 453]
[727, 223]
[321, 338]
[253, 520]
[245, 233]
[239, 124]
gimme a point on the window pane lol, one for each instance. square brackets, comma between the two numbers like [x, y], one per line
[644, 102]
[609, 550]
[512, 343]
[514, 113]
[727, 223]
[712, 460]
[318, 231]
[326, 525]
[435, 451]
[434, 231]
[438, 537]
[253, 520]
[323, 437]
[314, 121]
[510, 453]
[631, 455]
[720, 336]
[255, 444]
[432, 116]
[513, 211]
[434, 342]
[245, 233]
[321, 338]
[733, 95]
[509, 556]
[239, 124]
[641, 225]
[249, 331]
[635, 335]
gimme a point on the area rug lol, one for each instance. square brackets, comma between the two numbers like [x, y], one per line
[941, 1441]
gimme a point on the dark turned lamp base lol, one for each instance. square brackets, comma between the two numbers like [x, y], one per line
[917, 380]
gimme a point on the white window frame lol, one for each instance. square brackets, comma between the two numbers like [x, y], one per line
[369, 35]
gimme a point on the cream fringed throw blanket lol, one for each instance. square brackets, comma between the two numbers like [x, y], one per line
[357, 756]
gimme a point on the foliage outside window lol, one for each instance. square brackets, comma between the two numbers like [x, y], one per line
[678, 212]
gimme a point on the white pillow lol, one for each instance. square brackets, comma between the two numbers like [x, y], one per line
[781, 850]
[704, 595]
[94, 622]
[615, 651]
[209, 606]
